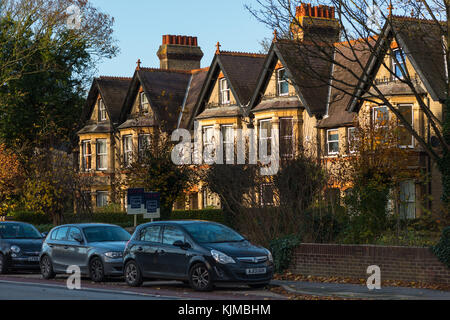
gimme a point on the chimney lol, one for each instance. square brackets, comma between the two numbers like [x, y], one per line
[179, 53]
[315, 23]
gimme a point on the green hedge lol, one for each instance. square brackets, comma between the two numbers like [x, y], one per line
[283, 250]
[215, 215]
[442, 249]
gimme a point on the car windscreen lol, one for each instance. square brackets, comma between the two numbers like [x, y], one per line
[212, 233]
[19, 231]
[106, 234]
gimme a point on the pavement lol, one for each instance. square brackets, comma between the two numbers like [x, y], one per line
[355, 291]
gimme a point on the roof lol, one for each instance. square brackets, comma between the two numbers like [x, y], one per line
[192, 95]
[421, 41]
[220, 112]
[113, 91]
[307, 67]
[241, 69]
[350, 58]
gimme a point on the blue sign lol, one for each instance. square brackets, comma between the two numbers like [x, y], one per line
[135, 200]
[152, 201]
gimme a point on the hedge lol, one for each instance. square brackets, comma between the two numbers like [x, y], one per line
[442, 249]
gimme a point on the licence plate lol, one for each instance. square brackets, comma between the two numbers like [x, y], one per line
[33, 259]
[256, 271]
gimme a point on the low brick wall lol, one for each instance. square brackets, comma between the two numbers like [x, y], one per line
[351, 261]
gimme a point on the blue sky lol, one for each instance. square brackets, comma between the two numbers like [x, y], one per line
[140, 24]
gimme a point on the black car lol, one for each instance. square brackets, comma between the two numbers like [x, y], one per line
[199, 252]
[97, 249]
[20, 245]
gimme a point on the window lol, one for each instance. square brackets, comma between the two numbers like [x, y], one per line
[193, 201]
[102, 199]
[102, 155]
[224, 91]
[283, 85]
[287, 138]
[151, 234]
[172, 234]
[60, 234]
[406, 140]
[144, 104]
[267, 194]
[101, 110]
[208, 137]
[228, 143]
[143, 143]
[352, 140]
[398, 63]
[86, 155]
[381, 117]
[127, 150]
[408, 199]
[74, 233]
[333, 141]
[265, 134]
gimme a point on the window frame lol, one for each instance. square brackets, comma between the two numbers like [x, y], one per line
[262, 198]
[268, 138]
[224, 91]
[401, 64]
[85, 155]
[288, 137]
[127, 153]
[185, 237]
[407, 202]
[332, 141]
[349, 141]
[281, 81]
[206, 143]
[103, 193]
[102, 115]
[375, 122]
[144, 104]
[411, 146]
[99, 155]
[225, 143]
[140, 145]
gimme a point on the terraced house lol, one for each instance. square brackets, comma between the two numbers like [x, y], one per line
[314, 94]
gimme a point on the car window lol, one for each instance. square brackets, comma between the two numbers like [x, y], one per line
[18, 231]
[172, 234]
[151, 234]
[106, 234]
[61, 234]
[73, 234]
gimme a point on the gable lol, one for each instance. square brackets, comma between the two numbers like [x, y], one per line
[272, 88]
[214, 98]
[136, 108]
[95, 111]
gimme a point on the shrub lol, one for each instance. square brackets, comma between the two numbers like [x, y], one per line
[31, 217]
[215, 215]
[442, 249]
[283, 250]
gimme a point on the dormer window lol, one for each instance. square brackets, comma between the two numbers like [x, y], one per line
[282, 81]
[398, 63]
[144, 104]
[101, 110]
[224, 91]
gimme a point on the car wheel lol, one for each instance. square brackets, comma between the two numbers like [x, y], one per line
[200, 278]
[96, 270]
[133, 275]
[47, 268]
[258, 286]
[3, 266]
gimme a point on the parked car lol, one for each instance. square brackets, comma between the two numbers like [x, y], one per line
[96, 248]
[20, 245]
[197, 252]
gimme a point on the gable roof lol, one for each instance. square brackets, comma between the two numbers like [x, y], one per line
[306, 66]
[113, 91]
[165, 91]
[241, 69]
[421, 42]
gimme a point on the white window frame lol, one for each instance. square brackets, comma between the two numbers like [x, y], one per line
[148, 139]
[281, 81]
[103, 156]
[401, 64]
[227, 143]
[411, 146]
[97, 197]
[225, 92]
[375, 121]
[349, 140]
[290, 137]
[407, 202]
[144, 104]
[101, 110]
[86, 155]
[204, 140]
[268, 137]
[332, 141]
[127, 150]
[272, 203]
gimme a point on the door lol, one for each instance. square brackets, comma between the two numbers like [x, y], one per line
[57, 243]
[74, 251]
[146, 249]
[172, 259]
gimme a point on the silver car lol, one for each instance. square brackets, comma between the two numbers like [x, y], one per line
[97, 249]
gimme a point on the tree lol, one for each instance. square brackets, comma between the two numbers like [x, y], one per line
[11, 179]
[357, 22]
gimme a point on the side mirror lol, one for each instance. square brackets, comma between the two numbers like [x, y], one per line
[78, 238]
[181, 244]
[44, 234]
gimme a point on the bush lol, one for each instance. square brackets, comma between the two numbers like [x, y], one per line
[31, 217]
[442, 249]
[283, 250]
[215, 215]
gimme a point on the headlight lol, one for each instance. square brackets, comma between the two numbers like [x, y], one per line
[15, 249]
[114, 255]
[221, 257]
[269, 256]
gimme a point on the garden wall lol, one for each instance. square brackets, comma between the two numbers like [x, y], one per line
[351, 261]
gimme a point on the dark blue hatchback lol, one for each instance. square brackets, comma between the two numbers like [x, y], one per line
[197, 252]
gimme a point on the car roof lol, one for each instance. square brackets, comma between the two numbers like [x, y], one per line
[14, 222]
[85, 225]
[178, 222]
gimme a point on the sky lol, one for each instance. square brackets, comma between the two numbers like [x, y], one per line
[140, 25]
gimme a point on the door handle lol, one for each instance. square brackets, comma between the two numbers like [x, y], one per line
[140, 249]
[66, 247]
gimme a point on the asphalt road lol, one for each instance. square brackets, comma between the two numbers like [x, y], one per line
[12, 290]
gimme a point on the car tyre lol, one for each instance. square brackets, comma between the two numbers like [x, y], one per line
[200, 278]
[133, 275]
[47, 268]
[96, 270]
[259, 285]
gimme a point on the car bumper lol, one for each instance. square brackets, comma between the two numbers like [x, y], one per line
[237, 273]
[23, 262]
[113, 267]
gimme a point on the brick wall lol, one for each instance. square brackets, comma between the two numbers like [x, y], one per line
[396, 263]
